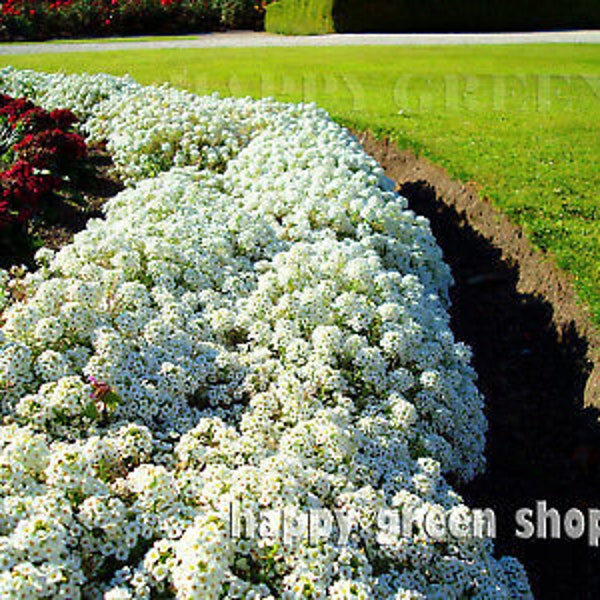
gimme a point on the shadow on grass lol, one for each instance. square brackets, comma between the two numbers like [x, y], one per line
[543, 444]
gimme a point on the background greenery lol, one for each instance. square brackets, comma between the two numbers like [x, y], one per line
[300, 17]
[45, 19]
[520, 121]
[309, 16]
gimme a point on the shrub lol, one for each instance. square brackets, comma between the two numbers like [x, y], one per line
[22, 192]
[54, 150]
[393, 16]
[39, 152]
[37, 20]
[300, 17]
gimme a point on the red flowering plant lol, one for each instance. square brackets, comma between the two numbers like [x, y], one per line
[43, 19]
[22, 191]
[40, 157]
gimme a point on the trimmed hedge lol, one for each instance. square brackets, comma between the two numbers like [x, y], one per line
[39, 20]
[396, 16]
[300, 17]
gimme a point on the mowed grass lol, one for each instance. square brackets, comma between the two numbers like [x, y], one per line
[522, 122]
[112, 40]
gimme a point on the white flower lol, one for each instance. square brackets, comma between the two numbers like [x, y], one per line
[259, 319]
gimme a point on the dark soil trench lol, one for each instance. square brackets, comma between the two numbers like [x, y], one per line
[534, 352]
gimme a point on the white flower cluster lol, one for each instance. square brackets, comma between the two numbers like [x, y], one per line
[80, 94]
[198, 131]
[265, 327]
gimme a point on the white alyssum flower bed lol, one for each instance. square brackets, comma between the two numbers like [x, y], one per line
[271, 321]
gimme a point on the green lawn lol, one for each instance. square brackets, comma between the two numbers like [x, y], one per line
[101, 40]
[520, 121]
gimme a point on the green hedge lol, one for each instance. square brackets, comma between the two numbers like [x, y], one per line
[300, 17]
[43, 19]
[395, 16]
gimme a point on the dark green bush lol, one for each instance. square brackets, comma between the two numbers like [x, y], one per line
[396, 16]
[300, 17]
[463, 15]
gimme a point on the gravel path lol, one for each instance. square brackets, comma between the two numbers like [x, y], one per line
[251, 39]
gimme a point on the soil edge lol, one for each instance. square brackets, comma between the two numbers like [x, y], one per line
[537, 274]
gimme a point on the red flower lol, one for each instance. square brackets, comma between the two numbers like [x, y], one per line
[47, 145]
[35, 119]
[16, 108]
[18, 173]
[22, 190]
[63, 118]
[5, 216]
[51, 149]
[99, 388]
[4, 100]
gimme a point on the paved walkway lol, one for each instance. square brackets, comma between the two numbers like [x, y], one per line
[252, 39]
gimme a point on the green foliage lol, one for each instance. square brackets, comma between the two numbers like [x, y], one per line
[300, 17]
[35, 19]
[393, 16]
[463, 15]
